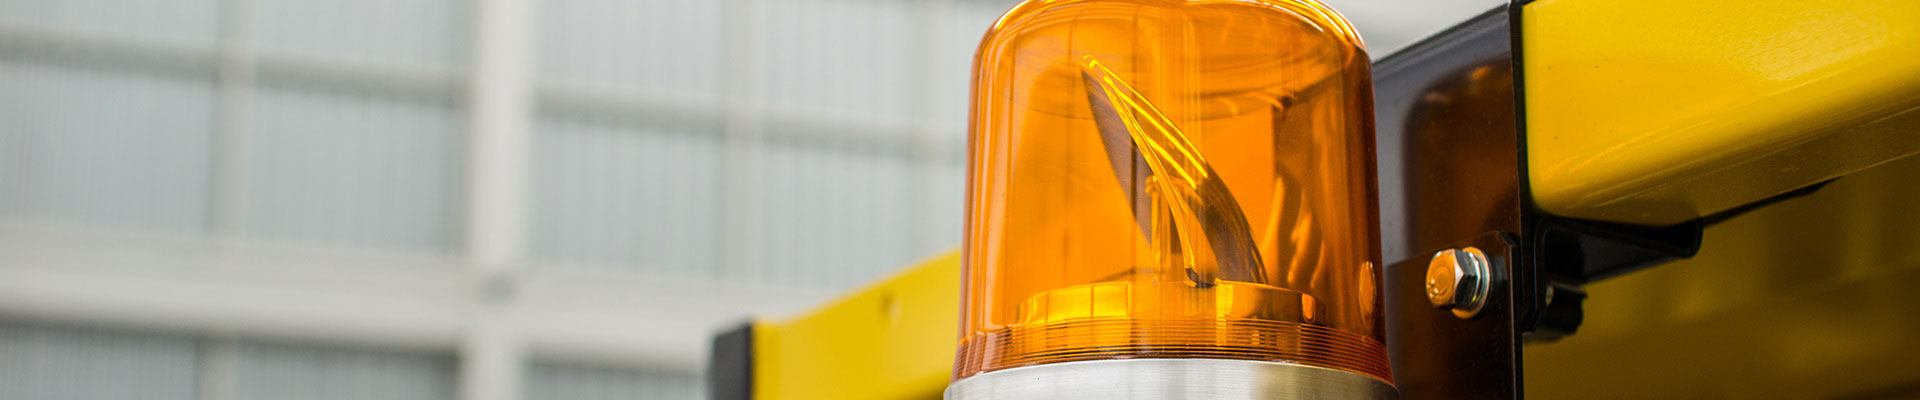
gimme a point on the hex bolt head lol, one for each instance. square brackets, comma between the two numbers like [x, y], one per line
[1458, 279]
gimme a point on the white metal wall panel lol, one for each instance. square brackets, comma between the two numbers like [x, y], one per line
[181, 22]
[834, 218]
[668, 48]
[43, 363]
[635, 199]
[352, 170]
[554, 381]
[423, 32]
[282, 372]
[95, 147]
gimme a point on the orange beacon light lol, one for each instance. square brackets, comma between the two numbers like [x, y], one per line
[1171, 199]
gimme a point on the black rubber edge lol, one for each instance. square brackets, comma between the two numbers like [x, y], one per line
[730, 365]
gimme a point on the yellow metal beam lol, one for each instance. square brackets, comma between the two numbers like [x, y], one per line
[1809, 298]
[1656, 112]
[891, 340]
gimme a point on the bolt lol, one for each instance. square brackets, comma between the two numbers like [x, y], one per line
[1458, 279]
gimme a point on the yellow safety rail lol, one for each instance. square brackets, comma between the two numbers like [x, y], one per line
[1657, 112]
[891, 340]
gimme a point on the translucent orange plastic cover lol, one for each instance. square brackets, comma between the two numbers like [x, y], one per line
[1171, 179]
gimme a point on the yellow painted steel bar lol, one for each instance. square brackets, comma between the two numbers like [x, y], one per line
[1809, 298]
[1656, 112]
[892, 340]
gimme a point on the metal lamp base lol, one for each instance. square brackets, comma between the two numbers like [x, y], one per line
[1168, 379]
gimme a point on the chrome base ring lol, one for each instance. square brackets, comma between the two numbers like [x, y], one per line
[1185, 378]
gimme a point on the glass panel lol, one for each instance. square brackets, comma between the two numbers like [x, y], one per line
[640, 199]
[188, 22]
[842, 58]
[101, 148]
[549, 381]
[352, 170]
[942, 193]
[834, 219]
[426, 32]
[664, 47]
[69, 364]
[281, 372]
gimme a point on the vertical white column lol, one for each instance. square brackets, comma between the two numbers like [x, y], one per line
[746, 103]
[492, 358]
[217, 359]
[501, 111]
[226, 197]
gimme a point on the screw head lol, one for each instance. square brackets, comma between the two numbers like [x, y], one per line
[1458, 279]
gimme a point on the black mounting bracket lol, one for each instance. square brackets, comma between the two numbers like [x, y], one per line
[1451, 151]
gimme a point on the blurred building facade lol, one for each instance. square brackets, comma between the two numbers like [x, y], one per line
[248, 199]
[485, 199]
